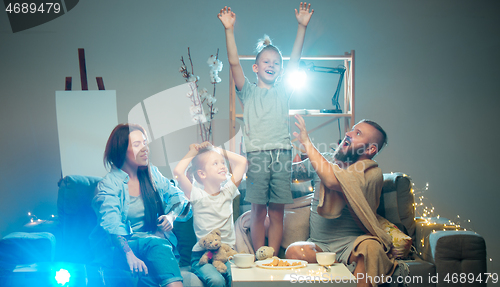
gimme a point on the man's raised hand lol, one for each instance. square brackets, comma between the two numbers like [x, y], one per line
[302, 135]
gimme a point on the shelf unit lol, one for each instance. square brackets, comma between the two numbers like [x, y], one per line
[348, 107]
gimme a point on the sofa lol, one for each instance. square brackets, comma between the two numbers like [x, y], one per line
[438, 249]
[440, 253]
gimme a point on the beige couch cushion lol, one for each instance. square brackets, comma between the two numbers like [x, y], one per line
[296, 220]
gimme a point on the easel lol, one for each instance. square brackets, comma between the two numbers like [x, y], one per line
[83, 75]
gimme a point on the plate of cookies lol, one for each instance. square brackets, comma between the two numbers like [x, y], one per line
[276, 263]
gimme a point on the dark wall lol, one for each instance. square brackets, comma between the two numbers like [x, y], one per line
[427, 71]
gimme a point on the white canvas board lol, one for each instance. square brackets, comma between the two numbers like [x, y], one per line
[85, 120]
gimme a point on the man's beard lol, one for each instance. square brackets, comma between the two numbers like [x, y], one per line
[350, 156]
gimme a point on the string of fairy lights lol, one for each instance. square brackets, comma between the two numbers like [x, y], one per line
[424, 211]
[34, 220]
[425, 215]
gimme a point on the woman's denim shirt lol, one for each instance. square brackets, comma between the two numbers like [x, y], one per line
[112, 202]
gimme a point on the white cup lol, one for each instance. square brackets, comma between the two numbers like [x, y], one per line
[325, 258]
[243, 260]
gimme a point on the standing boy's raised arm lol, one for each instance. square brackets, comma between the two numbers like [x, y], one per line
[227, 17]
[303, 16]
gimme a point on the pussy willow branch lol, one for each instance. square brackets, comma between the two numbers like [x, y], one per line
[211, 106]
[191, 61]
[205, 133]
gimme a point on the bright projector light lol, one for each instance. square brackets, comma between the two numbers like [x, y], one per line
[62, 277]
[297, 79]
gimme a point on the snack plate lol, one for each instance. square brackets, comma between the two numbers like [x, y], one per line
[267, 261]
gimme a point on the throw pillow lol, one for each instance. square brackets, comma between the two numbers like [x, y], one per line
[400, 241]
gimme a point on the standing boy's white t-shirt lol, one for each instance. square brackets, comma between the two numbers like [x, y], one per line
[214, 211]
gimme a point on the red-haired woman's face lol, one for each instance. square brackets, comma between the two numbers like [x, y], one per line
[137, 152]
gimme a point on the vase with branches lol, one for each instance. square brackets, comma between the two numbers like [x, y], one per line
[200, 97]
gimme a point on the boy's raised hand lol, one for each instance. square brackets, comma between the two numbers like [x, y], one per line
[227, 17]
[194, 147]
[303, 15]
[204, 145]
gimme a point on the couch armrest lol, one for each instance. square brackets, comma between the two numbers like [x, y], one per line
[396, 202]
[26, 248]
[76, 217]
[452, 251]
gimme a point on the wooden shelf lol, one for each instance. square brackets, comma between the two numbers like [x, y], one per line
[348, 107]
[309, 113]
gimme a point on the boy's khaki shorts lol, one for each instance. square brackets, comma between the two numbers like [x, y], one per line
[269, 177]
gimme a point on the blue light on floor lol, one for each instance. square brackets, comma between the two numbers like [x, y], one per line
[62, 277]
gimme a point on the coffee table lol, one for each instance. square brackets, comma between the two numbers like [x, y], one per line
[312, 273]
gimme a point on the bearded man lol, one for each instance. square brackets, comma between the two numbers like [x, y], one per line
[348, 184]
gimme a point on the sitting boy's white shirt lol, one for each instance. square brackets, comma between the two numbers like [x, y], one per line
[214, 211]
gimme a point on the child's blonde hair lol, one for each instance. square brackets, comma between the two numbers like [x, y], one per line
[198, 162]
[265, 44]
